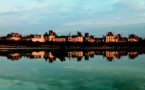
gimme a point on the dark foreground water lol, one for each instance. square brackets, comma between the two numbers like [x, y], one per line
[97, 73]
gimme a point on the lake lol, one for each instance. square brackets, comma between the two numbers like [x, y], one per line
[72, 70]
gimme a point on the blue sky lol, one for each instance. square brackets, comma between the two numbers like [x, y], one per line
[69, 16]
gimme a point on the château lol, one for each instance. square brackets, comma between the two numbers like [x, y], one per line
[51, 36]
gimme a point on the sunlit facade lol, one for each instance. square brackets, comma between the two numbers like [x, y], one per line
[51, 36]
[14, 36]
[35, 38]
[133, 38]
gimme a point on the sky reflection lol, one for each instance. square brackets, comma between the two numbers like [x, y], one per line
[95, 74]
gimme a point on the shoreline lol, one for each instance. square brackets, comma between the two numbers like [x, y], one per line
[91, 48]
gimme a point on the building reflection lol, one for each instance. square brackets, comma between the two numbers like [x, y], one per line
[53, 55]
[132, 55]
[110, 55]
[14, 56]
[75, 54]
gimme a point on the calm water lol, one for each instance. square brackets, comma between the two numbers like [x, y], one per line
[97, 73]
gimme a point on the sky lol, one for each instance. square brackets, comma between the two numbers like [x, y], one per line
[69, 16]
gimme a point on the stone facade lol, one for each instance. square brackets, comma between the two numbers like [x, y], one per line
[14, 36]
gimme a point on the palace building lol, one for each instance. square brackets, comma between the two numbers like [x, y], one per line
[14, 36]
[51, 36]
[133, 38]
[75, 38]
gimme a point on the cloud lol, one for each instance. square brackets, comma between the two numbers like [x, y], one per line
[136, 4]
[41, 1]
[98, 5]
[81, 23]
[63, 14]
[101, 23]
[7, 9]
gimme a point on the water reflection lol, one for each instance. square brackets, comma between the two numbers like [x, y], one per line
[97, 74]
[53, 55]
